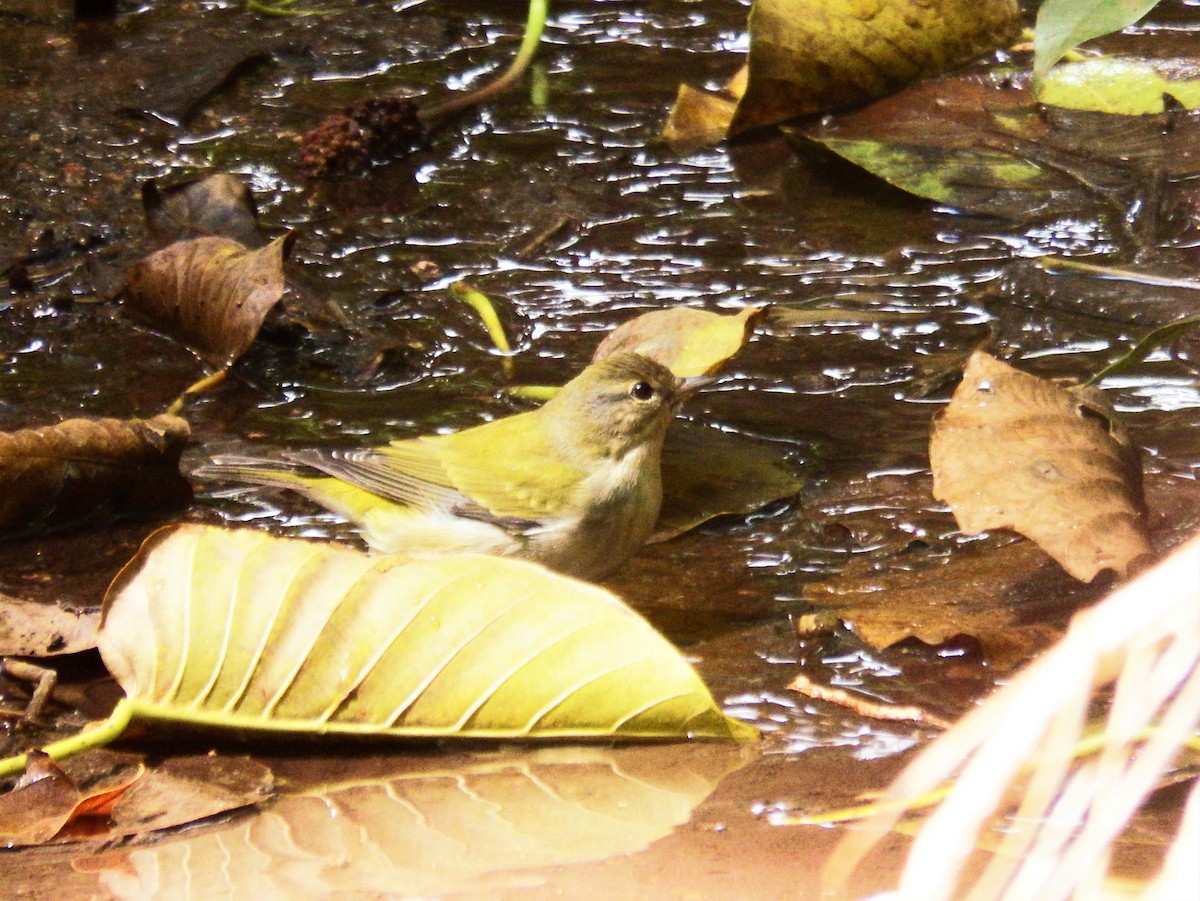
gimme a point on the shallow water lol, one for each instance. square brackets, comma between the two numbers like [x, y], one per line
[88, 115]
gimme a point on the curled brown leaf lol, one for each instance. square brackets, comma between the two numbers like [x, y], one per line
[210, 293]
[59, 474]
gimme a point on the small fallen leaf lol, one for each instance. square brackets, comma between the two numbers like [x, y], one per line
[47, 805]
[34, 811]
[687, 341]
[212, 294]
[1013, 451]
[698, 119]
[32, 629]
[60, 474]
[213, 206]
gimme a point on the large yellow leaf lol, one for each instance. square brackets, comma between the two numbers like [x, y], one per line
[240, 629]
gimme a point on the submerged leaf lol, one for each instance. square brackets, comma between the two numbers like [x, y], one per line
[213, 206]
[979, 142]
[242, 630]
[1017, 452]
[63, 473]
[1128, 87]
[210, 293]
[687, 341]
[1008, 598]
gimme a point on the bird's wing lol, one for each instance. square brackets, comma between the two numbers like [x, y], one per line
[475, 473]
[411, 476]
[510, 469]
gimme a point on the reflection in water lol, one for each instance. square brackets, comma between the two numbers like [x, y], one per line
[423, 829]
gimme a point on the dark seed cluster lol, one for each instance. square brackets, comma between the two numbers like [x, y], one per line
[370, 131]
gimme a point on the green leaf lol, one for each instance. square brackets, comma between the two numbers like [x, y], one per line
[242, 630]
[1063, 24]
[944, 175]
[1128, 87]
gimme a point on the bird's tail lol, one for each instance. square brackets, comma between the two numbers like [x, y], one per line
[256, 471]
[343, 498]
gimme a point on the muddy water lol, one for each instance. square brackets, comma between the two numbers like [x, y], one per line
[166, 91]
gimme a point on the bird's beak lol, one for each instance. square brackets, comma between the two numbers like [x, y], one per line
[692, 384]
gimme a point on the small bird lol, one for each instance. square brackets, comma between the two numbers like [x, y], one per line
[575, 484]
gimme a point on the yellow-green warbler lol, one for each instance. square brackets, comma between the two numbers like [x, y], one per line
[575, 484]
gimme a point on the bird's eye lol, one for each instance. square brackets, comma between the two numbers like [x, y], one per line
[641, 391]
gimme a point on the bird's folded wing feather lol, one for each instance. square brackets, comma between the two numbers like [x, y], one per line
[475, 472]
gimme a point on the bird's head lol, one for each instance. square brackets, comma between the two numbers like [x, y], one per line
[620, 403]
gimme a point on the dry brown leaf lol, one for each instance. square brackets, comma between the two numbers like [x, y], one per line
[1009, 598]
[34, 811]
[47, 804]
[1013, 451]
[210, 293]
[687, 341]
[32, 629]
[62, 473]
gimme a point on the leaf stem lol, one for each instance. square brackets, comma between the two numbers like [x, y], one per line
[482, 304]
[203, 384]
[1055, 265]
[535, 24]
[83, 741]
[1149, 343]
